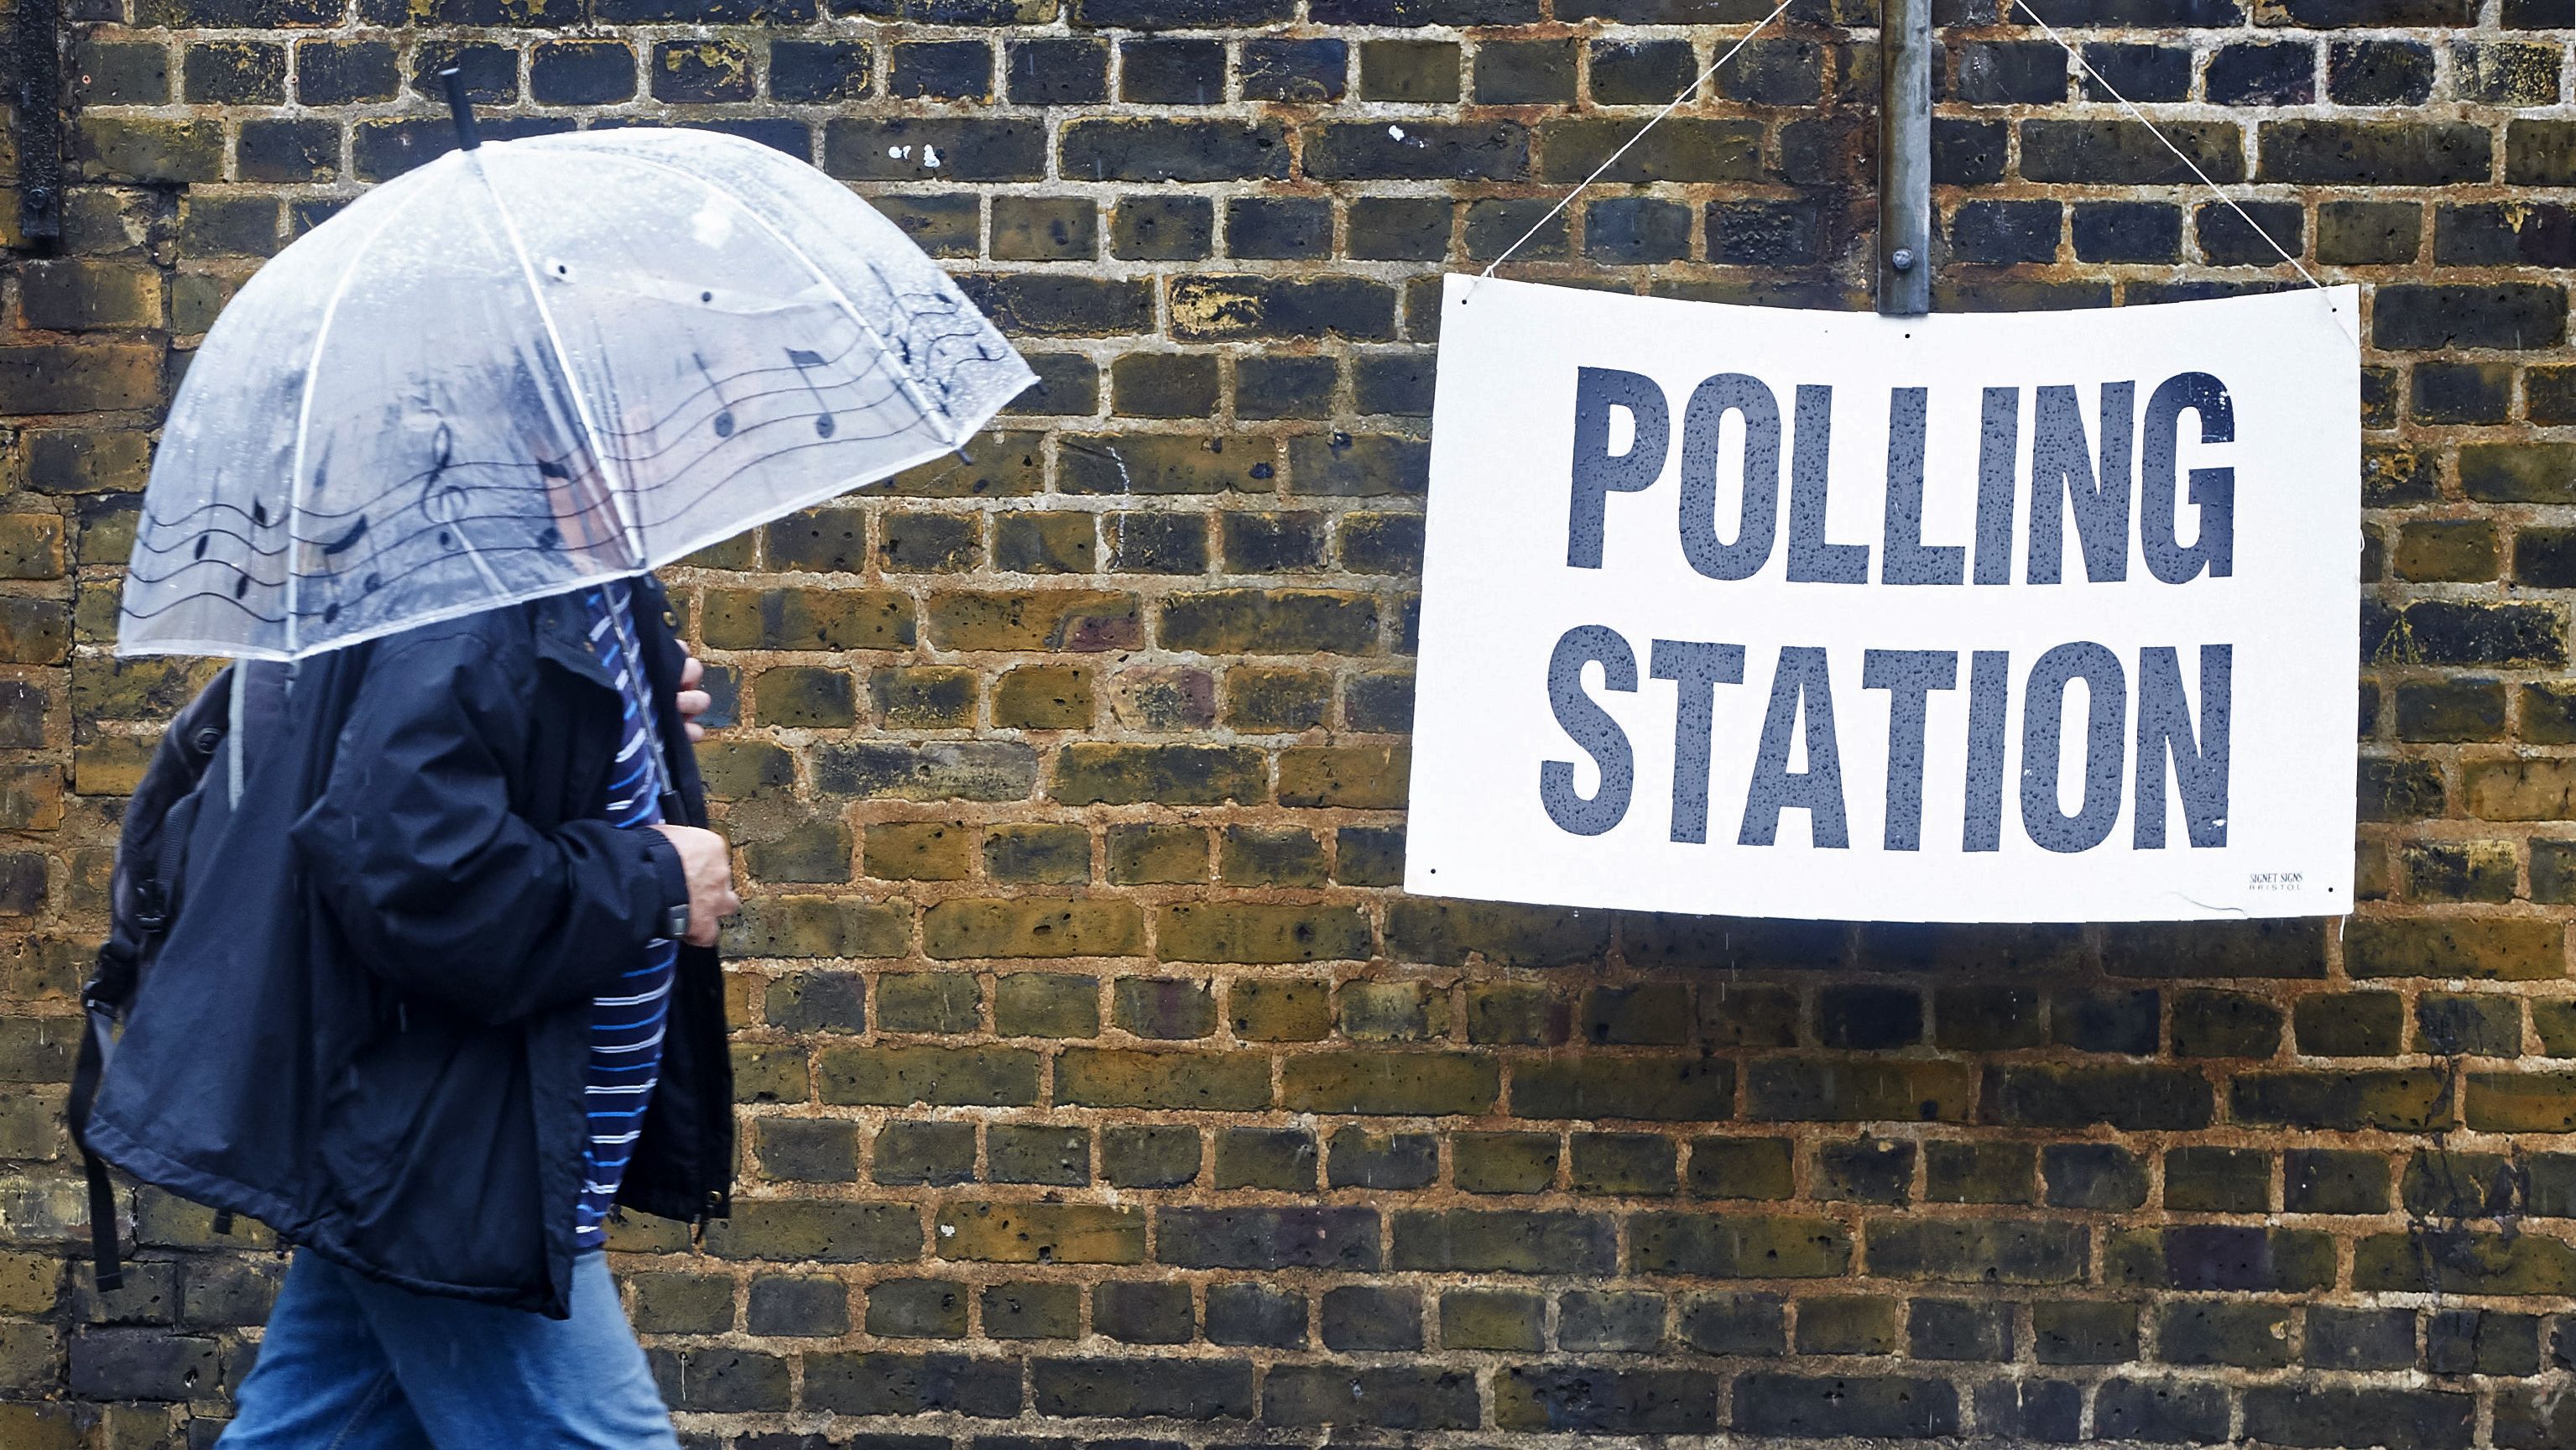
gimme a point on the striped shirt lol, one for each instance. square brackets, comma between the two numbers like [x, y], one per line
[626, 1023]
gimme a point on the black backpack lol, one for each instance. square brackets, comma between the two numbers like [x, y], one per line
[191, 784]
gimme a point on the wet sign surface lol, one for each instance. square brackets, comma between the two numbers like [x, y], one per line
[1748, 611]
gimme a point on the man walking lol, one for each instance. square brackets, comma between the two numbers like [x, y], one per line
[439, 998]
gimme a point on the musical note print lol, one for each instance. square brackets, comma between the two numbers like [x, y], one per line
[715, 385]
[803, 360]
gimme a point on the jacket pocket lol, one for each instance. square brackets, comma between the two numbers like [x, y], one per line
[375, 1102]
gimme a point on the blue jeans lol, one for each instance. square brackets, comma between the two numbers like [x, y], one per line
[351, 1364]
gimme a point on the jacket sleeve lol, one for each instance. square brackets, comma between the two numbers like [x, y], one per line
[441, 888]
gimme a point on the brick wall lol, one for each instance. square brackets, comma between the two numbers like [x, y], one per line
[1096, 1081]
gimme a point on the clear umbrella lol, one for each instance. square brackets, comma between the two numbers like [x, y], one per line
[535, 365]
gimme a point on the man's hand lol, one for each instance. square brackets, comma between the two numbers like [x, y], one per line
[693, 701]
[708, 863]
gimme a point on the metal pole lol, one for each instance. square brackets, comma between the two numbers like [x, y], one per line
[1905, 158]
[35, 45]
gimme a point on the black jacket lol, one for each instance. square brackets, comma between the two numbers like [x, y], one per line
[369, 1026]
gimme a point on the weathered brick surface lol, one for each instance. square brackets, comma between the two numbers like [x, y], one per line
[1097, 1083]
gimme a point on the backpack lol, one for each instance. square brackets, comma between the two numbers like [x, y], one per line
[181, 792]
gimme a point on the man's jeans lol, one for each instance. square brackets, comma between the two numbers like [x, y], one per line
[351, 1364]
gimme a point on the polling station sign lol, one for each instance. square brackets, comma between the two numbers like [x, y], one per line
[2027, 617]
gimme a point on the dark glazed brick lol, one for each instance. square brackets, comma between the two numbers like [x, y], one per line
[948, 70]
[1524, 72]
[1369, 1158]
[1765, 233]
[2334, 1181]
[1172, 72]
[1179, 150]
[1149, 1157]
[1734, 1324]
[2379, 72]
[2116, 1022]
[1056, 72]
[2224, 1024]
[2360, 1338]
[1390, 228]
[235, 73]
[2228, 239]
[1115, 1388]
[1037, 1153]
[2375, 153]
[2481, 1341]
[1846, 1324]
[2262, 76]
[1143, 1313]
[1162, 384]
[1868, 1170]
[857, 149]
[1978, 1172]
[1298, 71]
[573, 72]
[701, 71]
[1650, 1402]
[1268, 1238]
[2400, 1419]
[334, 74]
[2218, 1180]
[2494, 235]
[2458, 393]
[1835, 1406]
[2249, 1336]
[2166, 1411]
[1640, 72]
[2127, 231]
[2084, 1332]
[2093, 1175]
[1165, 230]
[1364, 1317]
[2127, 153]
[1255, 1315]
[803, 72]
[2005, 232]
[128, 73]
[2137, 72]
[1279, 228]
[1868, 1017]
[1419, 71]
[1953, 1329]
[2010, 72]
[1968, 153]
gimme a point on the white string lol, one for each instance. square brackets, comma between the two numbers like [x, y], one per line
[1658, 119]
[2179, 154]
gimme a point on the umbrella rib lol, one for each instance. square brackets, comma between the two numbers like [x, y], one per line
[903, 375]
[304, 405]
[617, 495]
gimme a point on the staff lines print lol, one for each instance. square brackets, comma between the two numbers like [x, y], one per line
[537, 543]
[671, 415]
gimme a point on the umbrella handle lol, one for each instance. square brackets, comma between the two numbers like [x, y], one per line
[460, 108]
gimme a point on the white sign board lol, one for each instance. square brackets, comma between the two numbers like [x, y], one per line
[2033, 617]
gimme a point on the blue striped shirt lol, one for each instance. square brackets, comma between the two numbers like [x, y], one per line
[626, 1023]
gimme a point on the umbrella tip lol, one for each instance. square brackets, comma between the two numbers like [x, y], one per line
[460, 108]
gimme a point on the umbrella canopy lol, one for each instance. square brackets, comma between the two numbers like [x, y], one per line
[532, 366]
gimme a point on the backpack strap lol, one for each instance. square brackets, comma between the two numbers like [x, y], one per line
[86, 1069]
